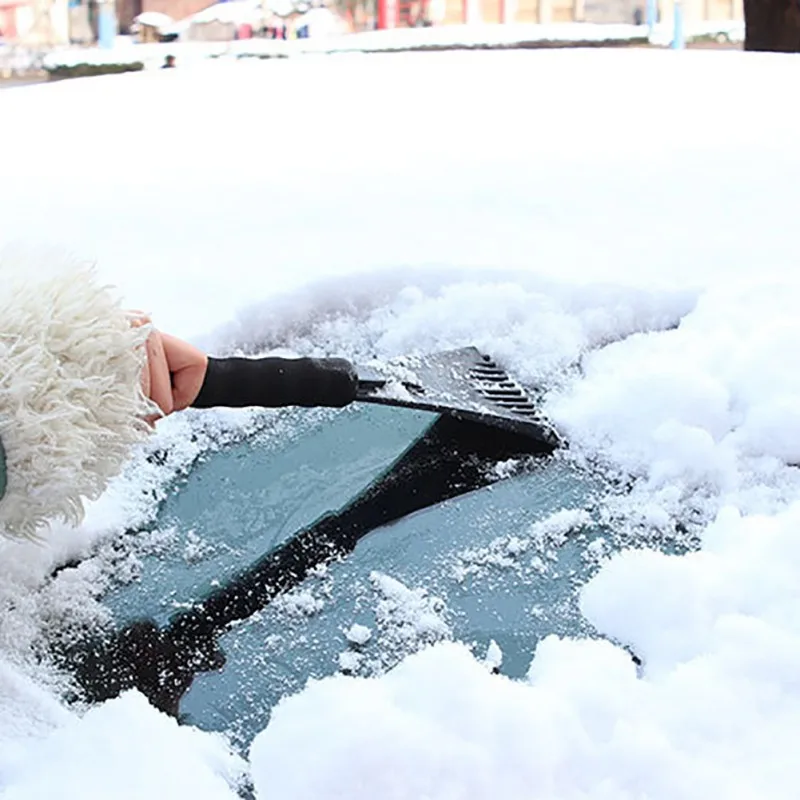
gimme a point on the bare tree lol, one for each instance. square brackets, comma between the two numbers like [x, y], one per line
[772, 25]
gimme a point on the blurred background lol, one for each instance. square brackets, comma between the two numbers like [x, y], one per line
[37, 34]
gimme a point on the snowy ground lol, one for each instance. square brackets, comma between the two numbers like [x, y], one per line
[623, 230]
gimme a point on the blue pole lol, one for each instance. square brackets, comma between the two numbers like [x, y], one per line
[650, 14]
[106, 25]
[677, 32]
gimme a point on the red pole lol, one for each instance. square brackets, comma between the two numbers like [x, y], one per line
[387, 13]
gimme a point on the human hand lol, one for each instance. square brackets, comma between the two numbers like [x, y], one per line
[174, 373]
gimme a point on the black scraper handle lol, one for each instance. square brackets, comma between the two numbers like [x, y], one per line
[277, 382]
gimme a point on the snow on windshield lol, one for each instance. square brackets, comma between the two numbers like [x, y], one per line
[608, 223]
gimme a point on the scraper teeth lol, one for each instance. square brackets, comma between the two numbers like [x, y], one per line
[493, 372]
[464, 383]
[500, 378]
[510, 397]
[504, 391]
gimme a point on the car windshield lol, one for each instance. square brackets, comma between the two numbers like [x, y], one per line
[496, 568]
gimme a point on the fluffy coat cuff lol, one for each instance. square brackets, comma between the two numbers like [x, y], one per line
[71, 403]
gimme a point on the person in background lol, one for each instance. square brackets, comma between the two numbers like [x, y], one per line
[169, 62]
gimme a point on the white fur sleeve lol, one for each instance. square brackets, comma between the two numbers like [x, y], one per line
[71, 404]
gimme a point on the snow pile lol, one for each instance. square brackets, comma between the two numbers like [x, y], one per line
[358, 634]
[543, 538]
[708, 409]
[716, 710]
[29, 714]
[729, 609]
[407, 618]
[299, 603]
[72, 57]
[536, 328]
[154, 19]
[83, 761]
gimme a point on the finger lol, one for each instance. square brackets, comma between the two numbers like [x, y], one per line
[137, 320]
[181, 354]
[188, 367]
[160, 383]
[145, 380]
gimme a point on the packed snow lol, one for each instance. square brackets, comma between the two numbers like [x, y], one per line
[618, 231]
[358, 634]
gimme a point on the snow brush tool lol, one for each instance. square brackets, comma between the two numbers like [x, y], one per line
[463, 383]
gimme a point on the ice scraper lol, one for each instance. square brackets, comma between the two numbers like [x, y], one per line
[484, 417]
[464, 384]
